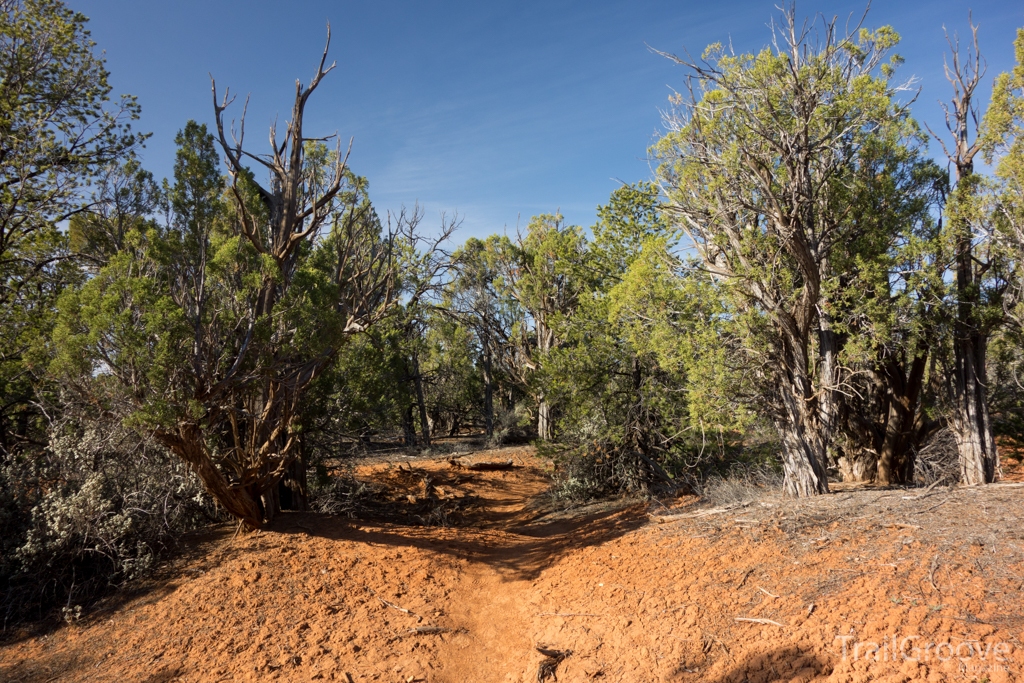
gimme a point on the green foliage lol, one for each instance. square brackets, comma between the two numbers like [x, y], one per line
[640, 375]
[1003, 137]
[482, 298]
[126, 195]
[787, 286]
[547, 275]
[454, 387]
[360, 396]
[57, 133]
[198, 334]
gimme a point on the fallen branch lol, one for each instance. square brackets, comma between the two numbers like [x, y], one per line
[931, 574]
[921, 512]
[658, 469]
[394, 606]
[760, 621]
[770, 595]
[926, 492]
[712, 636]
[390, 604]
[427, 631]
[661, 519]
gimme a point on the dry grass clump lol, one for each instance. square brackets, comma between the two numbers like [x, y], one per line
[742, 483]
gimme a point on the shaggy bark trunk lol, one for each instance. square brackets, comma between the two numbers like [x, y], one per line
[271, 499]
[802, 450]
[971, 425]
[545, 342]
[858, 466]
[889, 470]
[970, 419]
[800, 430]
[639, 432]
[902, 428]
[829, 403]
[293, 491]
[241, 501]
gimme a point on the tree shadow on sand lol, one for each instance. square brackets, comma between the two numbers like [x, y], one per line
[520, 551]
[506, 520]
[782, 664]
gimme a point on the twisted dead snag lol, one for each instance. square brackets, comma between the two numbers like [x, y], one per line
[244, 384]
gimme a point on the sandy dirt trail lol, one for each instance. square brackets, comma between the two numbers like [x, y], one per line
[759, 591]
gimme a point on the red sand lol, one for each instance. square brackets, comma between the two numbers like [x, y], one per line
[320, 598]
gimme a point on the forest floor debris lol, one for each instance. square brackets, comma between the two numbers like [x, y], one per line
[834, 588]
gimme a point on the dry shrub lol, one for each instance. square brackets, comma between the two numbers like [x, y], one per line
[606, 468]
[742, 483]
[342, 496]
[511, 425]
[94, 509]
[407, 497]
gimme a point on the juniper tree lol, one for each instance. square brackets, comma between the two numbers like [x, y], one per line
[754, 166]
[545, 274]
[978, 285]
[207, 332]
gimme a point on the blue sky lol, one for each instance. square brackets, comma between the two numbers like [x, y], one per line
[495, 110]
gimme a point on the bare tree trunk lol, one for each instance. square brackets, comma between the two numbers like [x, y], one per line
[900, 440]
[545, 341]
[859, 465]
[417, 378]
[888, 470]
[271, 503]
[829, 403]
[803, 448]
[294, 492]
[970, 419]
[408, 430]
[544, 420]
[488, 395]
